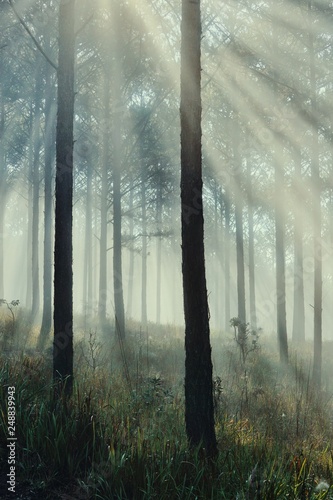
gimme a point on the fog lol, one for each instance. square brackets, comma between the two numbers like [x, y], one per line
[267, 103]
[116, 139]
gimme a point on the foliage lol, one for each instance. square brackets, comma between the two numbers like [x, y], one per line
[7, 328]
[113, 441]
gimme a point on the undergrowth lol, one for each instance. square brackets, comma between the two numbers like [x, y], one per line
[121, 440]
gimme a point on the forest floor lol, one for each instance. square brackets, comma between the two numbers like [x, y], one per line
[122, 434]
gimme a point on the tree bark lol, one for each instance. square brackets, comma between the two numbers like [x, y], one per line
[102, 298]
[144, 253]
[28, 302]
[117, 215]
[298, 335]
[227, 316]
[280, 258]
[252, 285]
[239, 223]
[316, 209]
[87, 264]
[63, 251]
[48, 168]
[159, 252]
[131, 249]
[35, 192]
[199, 410]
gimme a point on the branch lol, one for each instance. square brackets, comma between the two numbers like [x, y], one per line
[84, 25]
[38, 45]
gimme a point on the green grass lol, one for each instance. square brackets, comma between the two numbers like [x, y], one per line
[115, 440]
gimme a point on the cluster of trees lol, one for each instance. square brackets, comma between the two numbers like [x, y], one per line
[266, 89]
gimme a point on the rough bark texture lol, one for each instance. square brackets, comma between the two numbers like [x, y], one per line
[199, 411]
[63, 253]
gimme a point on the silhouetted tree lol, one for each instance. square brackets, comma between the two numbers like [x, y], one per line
[63, 252]
[199, 411]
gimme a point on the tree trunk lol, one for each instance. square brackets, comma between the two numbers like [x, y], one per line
[280, 258]
[316, 208]
[227, 316]
[144, 253]
[48, 166]
[298, 335]
[87, 263]
[28, 301]
[36, 137]
[117, 249]
[63, 252]
[131, 249]
[239, 223]
[102, 299]
[252, 286]
[199, 409]
[117, 164]
[159, 253]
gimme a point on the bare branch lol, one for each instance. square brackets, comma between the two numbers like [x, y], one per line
[38, 45]
[84, 24]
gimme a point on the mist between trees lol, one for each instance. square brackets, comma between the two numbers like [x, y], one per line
[266, 93]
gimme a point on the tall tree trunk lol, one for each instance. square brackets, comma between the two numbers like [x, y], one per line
[48, 168]
[159, 252]
[199, 408]
[36, 137]
[298, 335]
[227, 316]
[102, 298]
[63, 251]
[252, 286]
[216, 276]
[280, 267]
[87, 263]
[131, 249]
[280, 257]
[316, 208]
[117, 164]
[144, 253]
[239, 223]
[117, 251]
[29, 216]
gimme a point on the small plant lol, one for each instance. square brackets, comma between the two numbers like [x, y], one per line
[94, 349]
[11, 331]
[247, 339]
